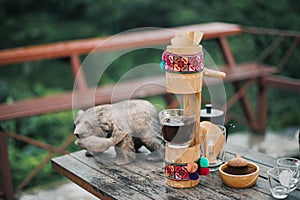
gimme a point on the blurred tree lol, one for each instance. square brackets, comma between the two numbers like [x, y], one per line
[29, 22]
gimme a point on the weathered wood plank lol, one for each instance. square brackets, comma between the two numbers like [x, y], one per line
[146, 179]
[93, 180]
[207, 185]
[213, 182]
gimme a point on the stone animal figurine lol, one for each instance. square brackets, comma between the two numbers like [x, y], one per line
[127, 125]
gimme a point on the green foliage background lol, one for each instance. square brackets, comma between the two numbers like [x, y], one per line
[32, 22]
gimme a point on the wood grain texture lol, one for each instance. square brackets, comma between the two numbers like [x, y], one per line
[145, 180]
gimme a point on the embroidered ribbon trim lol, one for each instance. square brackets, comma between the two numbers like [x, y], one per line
[184, 64]
[180, 172]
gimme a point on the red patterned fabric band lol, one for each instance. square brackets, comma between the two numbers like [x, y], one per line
[181, 172]
[187, 171]
[177, 172]
[183, 64]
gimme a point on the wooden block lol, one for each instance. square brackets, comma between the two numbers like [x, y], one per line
[182, 184]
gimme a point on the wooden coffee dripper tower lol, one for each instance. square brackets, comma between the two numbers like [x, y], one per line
[187, 82]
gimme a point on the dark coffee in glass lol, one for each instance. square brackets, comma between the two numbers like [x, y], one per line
[177, 127]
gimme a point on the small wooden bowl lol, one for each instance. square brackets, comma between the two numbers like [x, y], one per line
[239, 181]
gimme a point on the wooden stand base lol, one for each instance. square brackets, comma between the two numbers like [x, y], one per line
[183, 184]
[182, 156]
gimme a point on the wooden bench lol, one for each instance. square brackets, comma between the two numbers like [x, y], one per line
[74, 49]
[237, 74]
[145, 180]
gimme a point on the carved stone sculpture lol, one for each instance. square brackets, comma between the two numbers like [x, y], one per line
[127, 125]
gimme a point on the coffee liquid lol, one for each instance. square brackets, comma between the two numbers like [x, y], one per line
[178, 131]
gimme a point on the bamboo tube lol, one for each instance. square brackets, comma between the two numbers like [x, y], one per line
[190, 86]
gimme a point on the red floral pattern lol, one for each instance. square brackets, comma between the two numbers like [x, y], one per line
[183, 63]
[176, 172]
[180, 172]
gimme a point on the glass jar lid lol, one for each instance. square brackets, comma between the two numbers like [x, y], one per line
[209, 112]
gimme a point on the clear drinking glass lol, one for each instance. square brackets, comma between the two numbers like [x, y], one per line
[178, 127]
[213, 146]
[280, 181]
[294, 165]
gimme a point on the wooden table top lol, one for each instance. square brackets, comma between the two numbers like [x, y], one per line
[145, 180]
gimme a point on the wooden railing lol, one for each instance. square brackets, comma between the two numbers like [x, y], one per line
[242, 76]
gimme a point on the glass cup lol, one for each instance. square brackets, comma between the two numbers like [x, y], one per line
[280, 180]
[294, 165]
[178, 127]
[213, 146]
